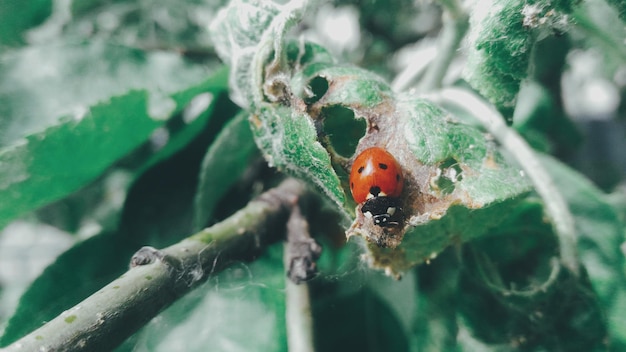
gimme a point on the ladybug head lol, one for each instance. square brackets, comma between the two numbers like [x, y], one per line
[384, 211]
[382, 219]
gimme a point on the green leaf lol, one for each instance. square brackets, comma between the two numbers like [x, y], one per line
[514, 276]
[541, 121]
[179, 26]
[565, 306]
[242, 308]
[359, 321]
[502, 35]
[201, 100]
[349, 86]
[245, 33]
[466, 186]
[225, 161]
[47, 166]
[602, 29]
[159, 206]
[471, 168]
[68, 152]
[360, 310]
[424, 243]
[434, 327]
[288, 141]
[40, 85]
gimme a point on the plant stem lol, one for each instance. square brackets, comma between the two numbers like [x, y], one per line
[301, 250]
[555, 206]
[298, 315]
[109, 316]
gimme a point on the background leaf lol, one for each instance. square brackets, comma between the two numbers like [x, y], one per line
[601, 236]
[72, 151]
[43, 84]
[224, 163]
[70, 155]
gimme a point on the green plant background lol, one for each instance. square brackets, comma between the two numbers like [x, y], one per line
[118, 130]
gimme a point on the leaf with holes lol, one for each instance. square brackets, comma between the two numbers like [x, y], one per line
[459, 183]
[288, 141]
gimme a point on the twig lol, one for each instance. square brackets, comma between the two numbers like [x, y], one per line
[301, 254]
[301, 251]
[159, 278]
[555, 206]
[298, 315]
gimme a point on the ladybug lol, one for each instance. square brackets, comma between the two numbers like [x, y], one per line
[376, 181]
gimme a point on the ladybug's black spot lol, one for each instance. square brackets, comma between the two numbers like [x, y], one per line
[397, 177]
[382, 166]
[360, 169]
[374, 190]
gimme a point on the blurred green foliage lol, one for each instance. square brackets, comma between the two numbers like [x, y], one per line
[90, 90]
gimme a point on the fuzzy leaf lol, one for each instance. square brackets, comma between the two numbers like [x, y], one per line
[350, 86]
[288, 141]
[465, 184]
[502, 35]
[245, 33]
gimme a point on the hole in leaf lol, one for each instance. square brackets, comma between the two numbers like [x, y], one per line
[318, 87]
[450, 173]
[343, 129]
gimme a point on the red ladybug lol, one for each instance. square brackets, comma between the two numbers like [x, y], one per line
[376, 181]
